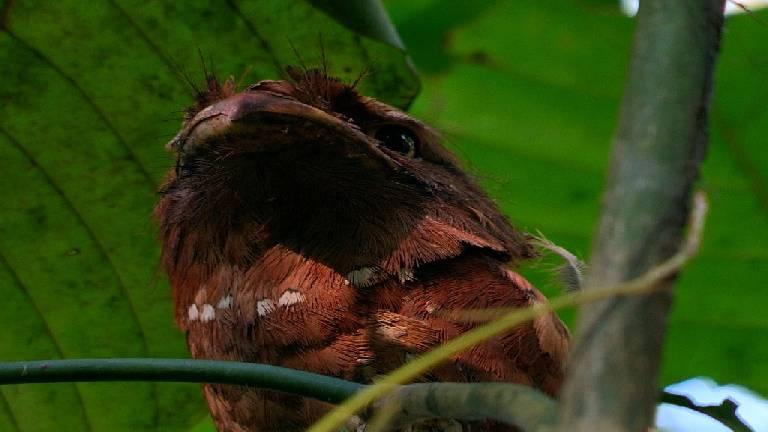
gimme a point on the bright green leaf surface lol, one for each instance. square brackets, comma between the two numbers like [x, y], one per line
[90, 93]
[526, 92]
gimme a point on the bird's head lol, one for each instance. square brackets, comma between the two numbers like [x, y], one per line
[310, 164]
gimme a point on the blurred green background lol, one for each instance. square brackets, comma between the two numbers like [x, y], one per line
[525, 92]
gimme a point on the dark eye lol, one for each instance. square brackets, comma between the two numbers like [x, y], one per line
[184, 166]
[397, 138]
[179, 166]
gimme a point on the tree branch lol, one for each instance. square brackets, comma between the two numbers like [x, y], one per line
[269, 377]
[725, 413]
[509, 403]
[512, 404]
[659, 145]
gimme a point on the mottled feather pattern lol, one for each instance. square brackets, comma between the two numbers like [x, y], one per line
[293, 236]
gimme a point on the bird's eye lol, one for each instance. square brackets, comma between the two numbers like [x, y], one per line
[397, 138]
[179, 166]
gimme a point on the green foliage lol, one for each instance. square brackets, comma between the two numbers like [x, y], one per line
[529, 97]
[90, 93]
[526, 93]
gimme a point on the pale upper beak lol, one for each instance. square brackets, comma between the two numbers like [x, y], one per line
[247, 112]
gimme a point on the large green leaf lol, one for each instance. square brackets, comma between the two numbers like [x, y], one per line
[528, 93]
[90, 92]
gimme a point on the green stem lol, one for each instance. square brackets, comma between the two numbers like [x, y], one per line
[316, 386]
[434, 400]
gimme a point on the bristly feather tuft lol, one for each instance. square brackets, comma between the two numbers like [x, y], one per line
[214, 91]
[314, 87]
[571, 273]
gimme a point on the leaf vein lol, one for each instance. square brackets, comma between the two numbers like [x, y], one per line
[56, 345]
[97, 243]
[259, 37]
[6, 407]
[89, 101]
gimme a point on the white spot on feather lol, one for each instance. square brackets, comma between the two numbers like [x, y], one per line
[225, 302]
[264, 307]
[192, 313]
[208, 314]
[430, 307]
[290, 297]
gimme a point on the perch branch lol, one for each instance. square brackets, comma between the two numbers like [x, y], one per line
[512, 404]
[316, 386]
[436, 400]
[725, 412]
[659, 145]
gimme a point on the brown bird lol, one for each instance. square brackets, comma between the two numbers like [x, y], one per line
[310, 227]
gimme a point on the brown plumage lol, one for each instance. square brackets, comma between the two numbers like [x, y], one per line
[311, 227]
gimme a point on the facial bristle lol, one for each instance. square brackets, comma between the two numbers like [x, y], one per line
[314, 87]
[215, 90]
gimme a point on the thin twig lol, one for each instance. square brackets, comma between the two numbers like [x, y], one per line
[269, 377]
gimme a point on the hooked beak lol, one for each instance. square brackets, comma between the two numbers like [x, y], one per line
[256, 114]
